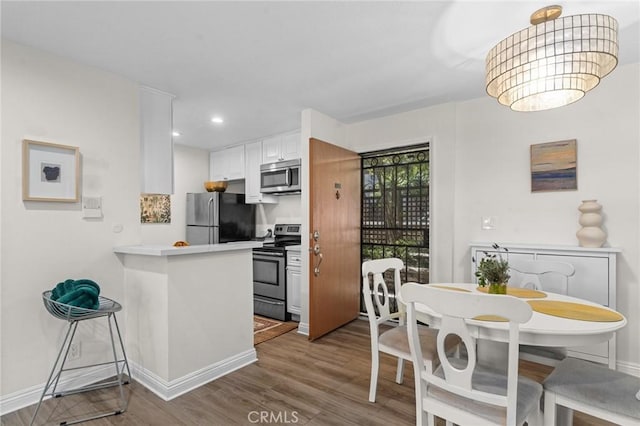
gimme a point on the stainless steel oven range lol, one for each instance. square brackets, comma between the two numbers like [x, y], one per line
[269, 273]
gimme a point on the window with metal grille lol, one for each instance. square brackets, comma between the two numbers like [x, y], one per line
[395, 211]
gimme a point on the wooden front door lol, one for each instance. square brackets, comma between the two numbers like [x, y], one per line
[334, 276]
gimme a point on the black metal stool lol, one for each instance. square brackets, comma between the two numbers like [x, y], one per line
[74, 315]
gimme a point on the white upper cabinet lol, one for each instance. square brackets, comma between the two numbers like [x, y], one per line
[156, 141]
[227, 164]
[291, 146]
[281, 147]
[253, 159]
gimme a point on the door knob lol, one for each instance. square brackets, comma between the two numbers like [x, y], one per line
[316, 235]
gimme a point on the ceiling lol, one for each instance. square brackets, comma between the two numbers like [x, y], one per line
[259, 64]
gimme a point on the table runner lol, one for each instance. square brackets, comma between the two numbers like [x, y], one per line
[446, 287]
[523, 293]
[575, 311]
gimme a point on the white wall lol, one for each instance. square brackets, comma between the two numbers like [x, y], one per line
[435, 125]
[191, 168]
[49, 99]
[481, 168]
[287, 210]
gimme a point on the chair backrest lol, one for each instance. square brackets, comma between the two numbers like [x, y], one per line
[379, 293]
[456, 309]
[532, 274]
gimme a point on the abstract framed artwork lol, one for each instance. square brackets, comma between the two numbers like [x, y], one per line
[554, 166]
[155, 208]
[50, 172]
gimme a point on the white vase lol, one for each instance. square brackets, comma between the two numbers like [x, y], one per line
[590, 235]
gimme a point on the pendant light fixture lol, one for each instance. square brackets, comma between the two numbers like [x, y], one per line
[554, 62]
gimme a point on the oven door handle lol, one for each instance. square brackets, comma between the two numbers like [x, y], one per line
[269, 254]
[269, 302]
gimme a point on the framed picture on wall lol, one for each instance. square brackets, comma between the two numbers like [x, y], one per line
[50, 172]
[155, 208]
[553, 166]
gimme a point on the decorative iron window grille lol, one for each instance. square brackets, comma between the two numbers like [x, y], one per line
[395, 211]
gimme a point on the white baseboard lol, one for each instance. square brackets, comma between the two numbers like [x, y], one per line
[168, 390]
[162, 388]
[303, 328]
[629, 368]
[69, 380]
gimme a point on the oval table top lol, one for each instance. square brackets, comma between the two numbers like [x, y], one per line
[542, 329]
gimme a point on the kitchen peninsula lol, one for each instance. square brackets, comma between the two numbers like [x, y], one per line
[188, 313]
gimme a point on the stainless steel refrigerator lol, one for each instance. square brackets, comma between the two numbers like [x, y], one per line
[219, 217]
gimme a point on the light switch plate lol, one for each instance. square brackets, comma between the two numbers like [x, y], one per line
[488, 222]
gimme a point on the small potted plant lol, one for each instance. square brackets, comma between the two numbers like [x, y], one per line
[494, 271]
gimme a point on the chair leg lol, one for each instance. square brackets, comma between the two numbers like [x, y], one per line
[54, 378]
[535, 418]
[72, 326]
[549, 409]
[375, 362]
[422, 417]
[124, 354]
[400, 371]
[119, 373]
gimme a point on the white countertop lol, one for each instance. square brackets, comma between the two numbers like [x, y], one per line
[169, 250]
[298, 247]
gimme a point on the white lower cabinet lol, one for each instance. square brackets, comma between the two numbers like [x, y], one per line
[294, 263]
[594, 280]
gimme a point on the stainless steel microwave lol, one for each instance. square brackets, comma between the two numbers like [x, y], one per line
[281, 177]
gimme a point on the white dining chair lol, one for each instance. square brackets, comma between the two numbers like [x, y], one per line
[393, 341]
[541, 275]
[592, 389]
[462, 391]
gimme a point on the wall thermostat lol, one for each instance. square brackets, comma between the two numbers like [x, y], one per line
[91, 207]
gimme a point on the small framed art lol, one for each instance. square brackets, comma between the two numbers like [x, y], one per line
[553, 166]
[50, 172]
[155, 208]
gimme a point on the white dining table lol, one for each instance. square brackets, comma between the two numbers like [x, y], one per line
[540, 330]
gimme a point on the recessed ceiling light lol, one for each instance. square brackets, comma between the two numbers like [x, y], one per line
[217, 120]
[176, 133]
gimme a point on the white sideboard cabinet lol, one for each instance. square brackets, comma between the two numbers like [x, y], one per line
[594, 280]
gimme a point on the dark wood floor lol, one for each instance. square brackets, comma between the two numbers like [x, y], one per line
[294, 382]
